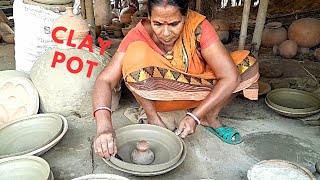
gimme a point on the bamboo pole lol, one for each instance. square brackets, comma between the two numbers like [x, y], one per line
[90, 17]
[102, 10]
[198, 6]
[83, 9]
[260, 21]
[244, 24]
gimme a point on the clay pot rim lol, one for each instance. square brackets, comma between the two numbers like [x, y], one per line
[46, 146]
[281, 163]
[101, 176]
[289, 111]
[273, 25]
[28, 159]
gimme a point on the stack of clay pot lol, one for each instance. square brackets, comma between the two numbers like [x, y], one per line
[302, 34]
[222, 28]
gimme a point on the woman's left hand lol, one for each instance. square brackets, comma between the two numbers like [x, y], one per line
[187, 127]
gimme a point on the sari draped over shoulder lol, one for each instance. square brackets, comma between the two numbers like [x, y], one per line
[181, 82]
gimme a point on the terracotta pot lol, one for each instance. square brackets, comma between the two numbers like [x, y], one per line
[288, 49]
[303, 50]
[305, 32]
[125, 31]
[136, 20]
[71, 22]
[126, 18]
[8, 38]
[317, 54]
[142, 155]
[273, 34]
[220, 25]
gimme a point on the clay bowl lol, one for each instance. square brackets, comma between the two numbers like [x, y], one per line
[8, 38]
[278, 169]
[32, 135]
[155, 173]
[292, 102]
[166, 146]
[24, 167]
[264, 88]
[101, 176]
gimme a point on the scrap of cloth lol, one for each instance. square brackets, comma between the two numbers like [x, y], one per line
[183, 80]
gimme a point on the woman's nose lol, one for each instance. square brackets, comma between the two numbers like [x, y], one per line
[166, 31]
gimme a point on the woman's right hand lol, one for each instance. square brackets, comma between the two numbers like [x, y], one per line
[105, 143]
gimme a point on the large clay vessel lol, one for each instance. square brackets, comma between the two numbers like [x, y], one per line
[273, 34]
[305, 32]
[61, 91]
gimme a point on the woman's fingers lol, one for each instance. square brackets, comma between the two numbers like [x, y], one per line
[104, 145]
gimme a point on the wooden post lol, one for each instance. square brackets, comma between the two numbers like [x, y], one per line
[102, 12]
[90, 17]
[260, 21]
[83, 9]
[244, 24]
[198, 6]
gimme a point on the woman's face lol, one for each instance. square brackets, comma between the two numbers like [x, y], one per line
[167, 23]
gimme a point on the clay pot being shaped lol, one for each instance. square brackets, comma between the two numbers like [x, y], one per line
[305, 32]
[273, 34]
[71, 22]
[142, 155]
[288, 49]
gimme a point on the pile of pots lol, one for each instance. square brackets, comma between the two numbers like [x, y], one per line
[301, 35]
[129, 17]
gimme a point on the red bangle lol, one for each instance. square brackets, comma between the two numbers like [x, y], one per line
[101, 108]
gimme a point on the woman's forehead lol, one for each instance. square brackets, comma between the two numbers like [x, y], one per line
[166, 13]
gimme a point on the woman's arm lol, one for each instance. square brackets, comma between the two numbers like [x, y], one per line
[107, 80]
[228, 77]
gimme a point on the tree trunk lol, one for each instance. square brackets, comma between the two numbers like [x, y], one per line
[83, 9]
[102, 12]
[90, 17]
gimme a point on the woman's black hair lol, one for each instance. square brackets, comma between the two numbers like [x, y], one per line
[183, 5]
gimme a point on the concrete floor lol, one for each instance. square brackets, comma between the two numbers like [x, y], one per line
[267, 135]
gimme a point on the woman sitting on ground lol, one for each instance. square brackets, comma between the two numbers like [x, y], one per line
[174, 61]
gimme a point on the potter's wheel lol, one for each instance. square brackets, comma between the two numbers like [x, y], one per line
[169, 149]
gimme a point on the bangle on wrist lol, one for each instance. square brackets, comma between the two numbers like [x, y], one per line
[101, 108]
[194, 117]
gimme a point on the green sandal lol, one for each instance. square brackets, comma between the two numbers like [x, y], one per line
[226, 134]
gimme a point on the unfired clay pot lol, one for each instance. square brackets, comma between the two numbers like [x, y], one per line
[288, 49]
[142, 155]
[18, 98]
[126, 13]
[305, 32]
[61, 91]
[317, 54]
[273, 34]
[71, 22]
